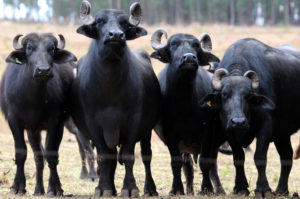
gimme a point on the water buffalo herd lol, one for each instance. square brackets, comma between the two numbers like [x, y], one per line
[111, 99]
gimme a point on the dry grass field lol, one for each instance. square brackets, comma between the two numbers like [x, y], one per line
[70, 165]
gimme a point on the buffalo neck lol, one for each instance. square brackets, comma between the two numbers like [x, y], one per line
[31, 86]
[109, 64]
[181, 83]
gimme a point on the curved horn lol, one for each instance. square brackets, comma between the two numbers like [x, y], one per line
[62, 42]
[85, 13]
[205, 42]
[156, 39]
[216, 80]
[253, 77]
[135, 14]
[16, 43]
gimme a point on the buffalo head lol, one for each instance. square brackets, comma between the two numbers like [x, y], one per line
[184, 52]
[111, 27]
[39, 52]
[236, 96]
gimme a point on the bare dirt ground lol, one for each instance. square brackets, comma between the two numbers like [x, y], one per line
[70, 164]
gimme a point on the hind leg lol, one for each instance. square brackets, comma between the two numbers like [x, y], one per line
[149, 188]
[189, 173]
[34, 138]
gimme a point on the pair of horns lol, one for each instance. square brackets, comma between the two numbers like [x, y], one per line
[217, 77]
[156, 44]
[86, 18]
[61, 45]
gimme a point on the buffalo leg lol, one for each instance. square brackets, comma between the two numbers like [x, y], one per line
[241, 184]
[129, 185]
[53, 140]
[107, 163]
[84, 171]
[206, 164]
[176, 164]
[35, 141]
[285, 151]
[19, 183]
[189, 173]
[260, 160]
[89, 153]
[215, 177]
[149, 188]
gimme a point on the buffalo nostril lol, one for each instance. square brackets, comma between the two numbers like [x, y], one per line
[194, 57]
[111, 34]
[238, 121]
[122, 35]
[184, 57]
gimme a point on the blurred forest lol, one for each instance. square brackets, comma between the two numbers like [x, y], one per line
[233, 12]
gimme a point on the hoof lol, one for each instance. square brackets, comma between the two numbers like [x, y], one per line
[84, 173]
[220, 191]
[133, 193]
[261, 195]
[207, 191]
[103, 193]
[107, 193]
[39, 191]
[18, 188]
[57, 192]
[176, 193]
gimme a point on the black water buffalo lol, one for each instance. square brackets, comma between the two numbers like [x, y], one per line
[118, 96]
[256, 91]
[85, 150]
[34, 90]
[184, 126]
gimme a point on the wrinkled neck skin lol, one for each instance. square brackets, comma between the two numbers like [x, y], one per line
[111, 63]
[181, 83]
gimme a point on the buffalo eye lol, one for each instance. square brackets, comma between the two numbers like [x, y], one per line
[29, 48]
[100, 21]
[224, 95]
[124, 23]
[196, 45]
[51, 49]
[175, 43]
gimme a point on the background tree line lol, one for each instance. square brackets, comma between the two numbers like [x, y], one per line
[234, 12]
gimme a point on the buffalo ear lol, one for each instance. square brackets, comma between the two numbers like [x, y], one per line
[63, 56]
[205, 58]
[88, 30]
[135, 32]
[16, 57]
[211, 101]
[261, 102]
[162, 55]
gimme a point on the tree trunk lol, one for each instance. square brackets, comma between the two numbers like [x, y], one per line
[273, 12]
[232, 12]
[287, 12]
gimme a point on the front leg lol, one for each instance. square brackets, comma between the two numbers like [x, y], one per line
[176, 164]
[241, 184]
[129, 185]
[149, 188]
[107, 163]
[53, 140]
[215, 176]
[17, 130]
[260, 159]
[206, 163]
[188, 169]
[285, 151]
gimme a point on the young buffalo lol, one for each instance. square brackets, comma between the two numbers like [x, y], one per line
[34, 91]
